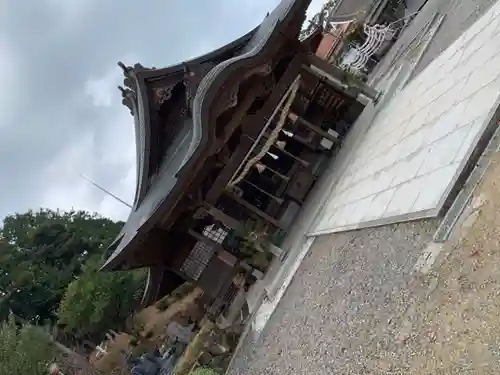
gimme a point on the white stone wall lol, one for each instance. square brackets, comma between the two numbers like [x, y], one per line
[417, 146]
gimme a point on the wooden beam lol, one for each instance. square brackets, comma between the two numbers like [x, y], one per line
[336, 84]
[337, 73]
[314, 128]
[294, 157]
[275, 198]
[254, 124]
[239, 115]
[255, 210]
[227, 220]
[229, 170]
[325, 66]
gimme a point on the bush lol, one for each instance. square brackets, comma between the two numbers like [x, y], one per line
[177, 294]
[25, 350]
[204, 371]
[183, 290]
[164, 303]
[98, 301]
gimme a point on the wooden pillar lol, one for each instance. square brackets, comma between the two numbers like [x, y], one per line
[255, 210]
[332, 73]
[153, 282]
[304, 163]
[264, 167]
[277, 199]
[336, 84]
[314, 128]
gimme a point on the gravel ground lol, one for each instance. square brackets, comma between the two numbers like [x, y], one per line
[342, 311]
[355, 307]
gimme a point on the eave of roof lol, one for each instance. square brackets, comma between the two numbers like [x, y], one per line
[142, 119]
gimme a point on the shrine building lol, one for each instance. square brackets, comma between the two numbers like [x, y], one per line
[229, 145]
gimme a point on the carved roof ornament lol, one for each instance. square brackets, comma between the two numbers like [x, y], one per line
[128, 98]
[233, 98]
[262, 70]
[191, 84]
[183, 112]
[129, 92]
[130, 83]
[229, 100]
[162, 94]
[126, 69]
[138, 67]
[187, 71]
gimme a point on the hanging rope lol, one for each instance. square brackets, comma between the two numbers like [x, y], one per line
[272, 138]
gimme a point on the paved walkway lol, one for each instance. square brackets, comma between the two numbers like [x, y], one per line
[413, 154]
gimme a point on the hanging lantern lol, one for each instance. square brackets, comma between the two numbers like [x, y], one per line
[281, 145]
[260, 167]
[274, 156]
[292, 116]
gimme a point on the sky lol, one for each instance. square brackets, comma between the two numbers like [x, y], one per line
[60, 111]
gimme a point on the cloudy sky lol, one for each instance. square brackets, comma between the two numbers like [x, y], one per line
[60, 111]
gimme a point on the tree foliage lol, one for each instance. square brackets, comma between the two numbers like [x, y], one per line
[98, 301]
[41, 253]
[24, 350]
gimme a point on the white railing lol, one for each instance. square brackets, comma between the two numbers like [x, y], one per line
[356, 58]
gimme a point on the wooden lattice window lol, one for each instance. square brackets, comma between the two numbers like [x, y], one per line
[215, 233]
[197, 260]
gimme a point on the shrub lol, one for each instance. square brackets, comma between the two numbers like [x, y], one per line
[164, 303]
[176, 295]
[25, 350]
[204, 371]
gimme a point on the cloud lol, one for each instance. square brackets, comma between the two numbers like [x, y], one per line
[103, 90]
[97, 155]
[8, 89]
[66, 190]
[71, 13]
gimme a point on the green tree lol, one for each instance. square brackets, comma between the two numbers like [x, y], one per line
[41, 253]
[99, 301]
[25, 350]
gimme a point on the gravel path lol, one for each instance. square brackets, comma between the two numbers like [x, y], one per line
[343, 308]
[354, 306]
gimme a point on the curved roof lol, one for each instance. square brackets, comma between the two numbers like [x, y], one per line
[146, 210]
[141, 112]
